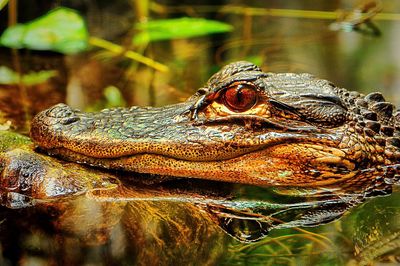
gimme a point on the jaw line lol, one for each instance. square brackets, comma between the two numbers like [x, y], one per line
[257, 122]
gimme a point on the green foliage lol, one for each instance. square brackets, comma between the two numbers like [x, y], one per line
[11, 140]
[7, 76]
[255, 59]
[179, 28]
[114, 97]
[286, 247]
[3, 3]
[61, 30]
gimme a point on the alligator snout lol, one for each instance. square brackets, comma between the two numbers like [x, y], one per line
[61, 113]
[53, 122]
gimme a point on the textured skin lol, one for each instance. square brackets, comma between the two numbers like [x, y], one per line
[302, 131]
[27, 176]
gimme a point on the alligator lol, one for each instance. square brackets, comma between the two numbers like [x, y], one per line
[244, 126]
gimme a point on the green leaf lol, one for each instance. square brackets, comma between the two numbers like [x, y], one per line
[113, 97]
[255, 59]
[62, 30]
[3, 3]
[13, 37]
[38, 77]
[7, 76]
[180, 28]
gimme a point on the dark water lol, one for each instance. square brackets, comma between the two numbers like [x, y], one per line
[100, 220]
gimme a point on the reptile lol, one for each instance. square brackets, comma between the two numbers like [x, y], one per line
[244, 126]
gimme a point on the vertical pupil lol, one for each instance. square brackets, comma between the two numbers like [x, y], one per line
[239, 94]
[240, 97]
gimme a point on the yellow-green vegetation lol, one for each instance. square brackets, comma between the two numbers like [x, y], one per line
[62, 30]
[10, 140]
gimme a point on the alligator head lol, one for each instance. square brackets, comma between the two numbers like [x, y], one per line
[243, 126]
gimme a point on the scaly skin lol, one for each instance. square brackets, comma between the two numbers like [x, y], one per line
[27, 176]
[244, 126]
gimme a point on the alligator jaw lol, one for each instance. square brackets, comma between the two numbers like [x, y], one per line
[278, 165]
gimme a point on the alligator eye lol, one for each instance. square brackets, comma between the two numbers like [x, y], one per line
[240, 97]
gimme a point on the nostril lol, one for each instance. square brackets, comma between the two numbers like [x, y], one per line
[69, 120]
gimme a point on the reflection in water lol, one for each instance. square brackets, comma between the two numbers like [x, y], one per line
[52, 207]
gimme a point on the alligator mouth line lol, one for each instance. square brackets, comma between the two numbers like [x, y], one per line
[258, 123]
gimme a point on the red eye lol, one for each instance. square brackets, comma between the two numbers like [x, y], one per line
[240, 97]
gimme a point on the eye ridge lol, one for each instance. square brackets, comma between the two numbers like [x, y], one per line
[240, 97]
